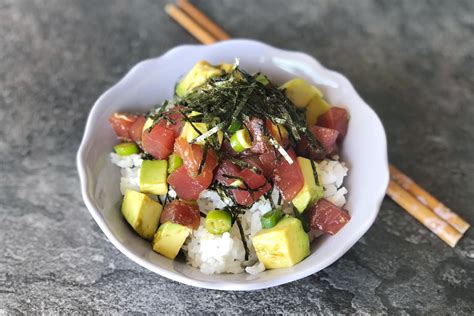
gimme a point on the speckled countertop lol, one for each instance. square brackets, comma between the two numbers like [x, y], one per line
[413, 61]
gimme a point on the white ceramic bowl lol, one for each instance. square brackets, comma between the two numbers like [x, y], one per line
[152, 81]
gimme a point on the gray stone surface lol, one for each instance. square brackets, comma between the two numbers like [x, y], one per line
[413, 61]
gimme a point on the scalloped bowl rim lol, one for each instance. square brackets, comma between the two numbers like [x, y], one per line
[296, 274]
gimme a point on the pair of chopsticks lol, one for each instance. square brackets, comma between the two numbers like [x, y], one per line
[433, 214]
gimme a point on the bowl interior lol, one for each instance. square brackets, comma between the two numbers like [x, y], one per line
[152, 81]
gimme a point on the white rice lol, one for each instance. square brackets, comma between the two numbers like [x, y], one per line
[130, 170]
[226, 253]
[332, 174]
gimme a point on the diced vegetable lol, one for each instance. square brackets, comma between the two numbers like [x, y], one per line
[181, 212]
[174, 162]
[240, 140]
[262, 79]
[198, 75]
[126, 149]
[270, 219]
[335, 118]
[158, 142]
[169, 239]
[141, 212]
[288, 177]
[327, 217]
[192, 130]
[153, 175]
[310, 192]
[218, 222]
[234, 127]
[300, 92]
[316, 107]
[189, 131]
[282, 246]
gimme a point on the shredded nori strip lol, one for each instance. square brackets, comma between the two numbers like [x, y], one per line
[315, 172]
[239, 96]
[242, 236]
[204, 157]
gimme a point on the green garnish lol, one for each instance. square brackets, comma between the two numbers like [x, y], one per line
[226, 103]
[126, 149]
[234, 127]
[270, 219]
[240, 141]
[218, 222]
[174, 162]
[237, 96]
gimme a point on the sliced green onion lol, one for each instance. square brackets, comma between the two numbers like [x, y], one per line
[126, 149]
[218, 222]
[240, 141]
[174, 162]
[234, 127]
[271, 218]
[262, 79]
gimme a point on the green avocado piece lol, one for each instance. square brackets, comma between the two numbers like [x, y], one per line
[174, 162]
[169, 239]
[141, 212]
[153, 174]
[315, 108]
[310, 192]
[283, 245]
[198, 75]
[300, 92]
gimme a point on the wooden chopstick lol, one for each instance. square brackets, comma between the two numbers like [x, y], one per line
[450, 231]
[423, 214]
[206, 23]
[428, 200]
[190, 25]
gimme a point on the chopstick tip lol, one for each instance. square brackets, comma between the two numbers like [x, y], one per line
[169, 7]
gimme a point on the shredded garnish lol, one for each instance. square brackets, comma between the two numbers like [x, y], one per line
[202, 137]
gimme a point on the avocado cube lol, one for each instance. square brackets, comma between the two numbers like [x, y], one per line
[310, 192]
[283, 245]
[141, 212]
[198, 76]
[300, 92]
[189, 132]
[316, 107]
[169, 239]
[153, 175]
